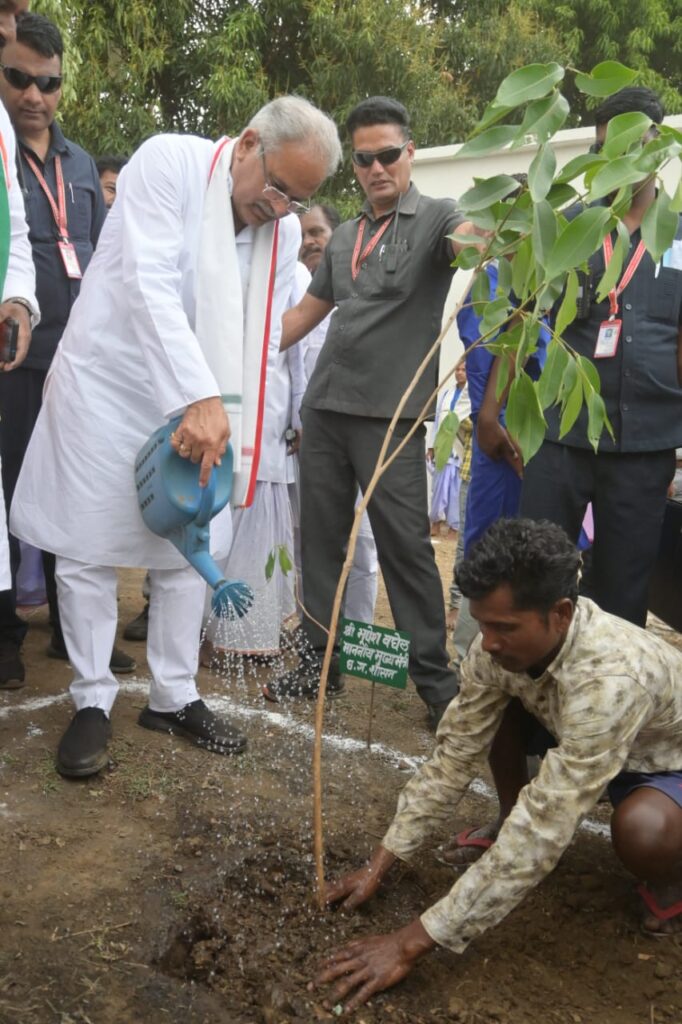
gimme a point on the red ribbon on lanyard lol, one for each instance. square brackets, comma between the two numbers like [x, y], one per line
[627, 276]
[59, 207]
[358, 256]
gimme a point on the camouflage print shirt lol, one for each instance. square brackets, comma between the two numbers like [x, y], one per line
[613, 699]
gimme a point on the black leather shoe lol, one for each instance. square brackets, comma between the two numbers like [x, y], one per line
[303, 682]
[199, 725]
[121, 663]
[11, 666]
[82, 749]
[137, 628]
[435, 712]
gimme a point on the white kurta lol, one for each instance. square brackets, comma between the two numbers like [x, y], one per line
[267, 525]
[19, 283]
[127, 362]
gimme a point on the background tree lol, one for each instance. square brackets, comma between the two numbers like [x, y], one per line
[136, 67]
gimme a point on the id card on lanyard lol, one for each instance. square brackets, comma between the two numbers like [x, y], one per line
[67, 250]
[609, 330]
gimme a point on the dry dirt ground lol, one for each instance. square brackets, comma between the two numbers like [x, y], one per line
[177, 886]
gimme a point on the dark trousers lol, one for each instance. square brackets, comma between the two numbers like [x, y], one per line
[20, 400]
[628, 494]
[338, 452]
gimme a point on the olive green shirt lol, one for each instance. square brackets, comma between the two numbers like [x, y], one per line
[387, 319]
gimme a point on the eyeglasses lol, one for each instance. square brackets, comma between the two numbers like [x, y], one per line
[22, 80]
[276, 195]
[362, 158]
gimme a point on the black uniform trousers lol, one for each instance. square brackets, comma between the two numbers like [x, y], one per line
[628, 493]
[21, 394]
[338, 452]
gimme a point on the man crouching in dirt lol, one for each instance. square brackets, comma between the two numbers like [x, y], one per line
[609, 692]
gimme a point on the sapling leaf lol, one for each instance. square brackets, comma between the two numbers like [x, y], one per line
[541, 173]
[552, 373]
[623, 131]
[659, 226]
[503, 372]
[524, 418]
[480, 290]
[605, 79]
[285, 563]
[489, 141]
[623, 170]
[568, 380]
[578, 240]
[572, 407]
[612, 273]
[504, 278]
[577, 166]
[568, 310]
[544, 231]
[487, 191]
[270, 565]
[544, 117]
[528, 83]
[590, 371]
[445, 438]
[597, 419]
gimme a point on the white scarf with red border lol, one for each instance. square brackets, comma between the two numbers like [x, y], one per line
[233, 340]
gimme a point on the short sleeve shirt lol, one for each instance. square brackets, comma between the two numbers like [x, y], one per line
[388, 317]
[639, 383]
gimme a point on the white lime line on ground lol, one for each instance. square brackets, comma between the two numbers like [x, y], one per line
[282, 719]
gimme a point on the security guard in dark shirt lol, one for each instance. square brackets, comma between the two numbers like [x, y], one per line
[633, 339]
[387, 273]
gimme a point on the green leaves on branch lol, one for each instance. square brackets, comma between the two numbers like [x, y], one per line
[542, 251]
[445, 438]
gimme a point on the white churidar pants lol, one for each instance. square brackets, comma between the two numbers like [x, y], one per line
[87, 605]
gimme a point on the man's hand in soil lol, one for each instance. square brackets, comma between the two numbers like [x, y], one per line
[372, 964]
[359, 886]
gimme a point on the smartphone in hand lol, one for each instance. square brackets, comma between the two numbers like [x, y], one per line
[9, 334]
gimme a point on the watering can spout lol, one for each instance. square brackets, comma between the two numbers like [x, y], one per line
[175, 507]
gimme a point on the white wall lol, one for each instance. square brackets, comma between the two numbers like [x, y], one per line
[437, 173]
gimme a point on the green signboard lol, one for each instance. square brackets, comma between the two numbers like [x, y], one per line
[374, 653]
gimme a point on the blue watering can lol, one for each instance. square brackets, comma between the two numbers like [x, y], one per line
[174, 506]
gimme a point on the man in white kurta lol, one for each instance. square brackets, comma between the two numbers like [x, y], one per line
[18, 303]
[131, 358]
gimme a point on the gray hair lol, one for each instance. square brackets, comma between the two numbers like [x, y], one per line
[293, 119]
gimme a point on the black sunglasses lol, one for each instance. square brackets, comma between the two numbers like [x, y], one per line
[362, 158]
[22, 80]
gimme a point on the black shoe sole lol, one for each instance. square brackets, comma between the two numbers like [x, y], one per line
[148, 720]
[85, 770]
[276, 698]
[12, 684]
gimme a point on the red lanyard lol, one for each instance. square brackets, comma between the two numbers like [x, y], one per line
[59, 207]
[359, 257]
[627, 276]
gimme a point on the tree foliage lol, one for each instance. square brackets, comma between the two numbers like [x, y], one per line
[137, 67]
